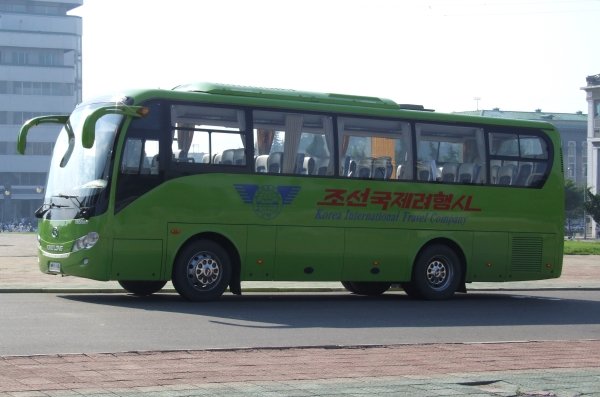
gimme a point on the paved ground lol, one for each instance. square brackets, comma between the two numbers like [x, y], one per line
[533, 368]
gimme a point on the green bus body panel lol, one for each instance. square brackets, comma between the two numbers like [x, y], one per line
[490, 257]
[377, 254]
[137, 259]
[93, 263]
[304, 239]
[307, 253]
[260, 253]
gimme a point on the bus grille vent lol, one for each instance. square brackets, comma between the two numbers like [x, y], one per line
[526, 254]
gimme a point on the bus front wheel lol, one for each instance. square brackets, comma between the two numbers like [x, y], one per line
[436, 274]
[142, 288]
[202, 271]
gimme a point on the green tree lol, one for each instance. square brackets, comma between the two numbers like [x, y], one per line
[592, 205]
[574, 203]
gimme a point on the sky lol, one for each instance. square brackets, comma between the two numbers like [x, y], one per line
[449, 55]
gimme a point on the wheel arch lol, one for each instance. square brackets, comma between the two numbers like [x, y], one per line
[228, 245]
[458, 250]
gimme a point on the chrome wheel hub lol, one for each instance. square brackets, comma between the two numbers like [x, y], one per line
[204, 271]
[437, 274]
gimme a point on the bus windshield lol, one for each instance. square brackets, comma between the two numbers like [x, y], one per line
[77, 175]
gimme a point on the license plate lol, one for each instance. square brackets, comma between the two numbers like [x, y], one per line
[54, 267]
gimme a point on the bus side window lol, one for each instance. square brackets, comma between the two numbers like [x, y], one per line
[451, 154]
[132, 155]
[204, 135]
[293, 143]
[375, 149]
[140, 157]
[518, 159]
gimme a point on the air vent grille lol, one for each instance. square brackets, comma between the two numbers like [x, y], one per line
[526, 254]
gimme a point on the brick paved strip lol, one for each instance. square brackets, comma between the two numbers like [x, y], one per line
[152, 369]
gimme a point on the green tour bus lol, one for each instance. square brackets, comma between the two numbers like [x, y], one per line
[210, 185]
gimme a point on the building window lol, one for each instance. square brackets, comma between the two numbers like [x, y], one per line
[20, 58]
[584, 161]
[571, 159]
[36, 88]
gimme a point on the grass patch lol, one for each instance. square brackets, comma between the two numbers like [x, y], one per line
[582, 247]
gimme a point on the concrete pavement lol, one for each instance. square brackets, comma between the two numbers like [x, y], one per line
[532, 368]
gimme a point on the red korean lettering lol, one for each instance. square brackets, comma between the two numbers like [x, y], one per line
[334, 197]
[464, 203]
[442, 201]
[381, 198]
[468, 205]
[402, 200]
[358, 198]
[421, 201]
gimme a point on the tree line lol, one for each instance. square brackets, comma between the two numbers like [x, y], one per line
[580, 201]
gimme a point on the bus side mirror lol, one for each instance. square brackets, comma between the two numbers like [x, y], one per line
[89, 125]
[22, 138]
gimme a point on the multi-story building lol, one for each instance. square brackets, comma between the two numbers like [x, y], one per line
[593, 136]
[573, 132]
[40, 73]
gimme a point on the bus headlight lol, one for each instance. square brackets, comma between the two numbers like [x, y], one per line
[86, 242]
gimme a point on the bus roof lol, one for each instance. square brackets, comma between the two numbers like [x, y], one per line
[304, 96]
[311, 101]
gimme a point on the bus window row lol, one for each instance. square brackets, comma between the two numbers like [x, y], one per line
[368, 148]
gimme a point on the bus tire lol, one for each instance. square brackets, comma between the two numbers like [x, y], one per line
[436, 274]
[202, 271]
[142, 288]
[348, 286]
[369, 288]
[410, 290]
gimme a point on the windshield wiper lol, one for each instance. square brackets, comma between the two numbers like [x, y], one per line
[84, 212]
[67, 196]
[39, 213]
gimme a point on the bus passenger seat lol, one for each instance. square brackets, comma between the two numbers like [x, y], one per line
[535, 180]
[424, 171]
[364, 168]
[494, 174]
[299, 166]
[467, 173]
[506, 174]
[239, 157]
[382, 167]
[261, 163]
[206, 158]
[525, 170]
[351, 169]
[275, 162]
[227, 156]
[401, 171]
[449, 172]
[308, 168]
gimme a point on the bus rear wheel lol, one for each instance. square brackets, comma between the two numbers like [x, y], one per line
[142, 288]
[202, 271]
[436, 274]
[370, 288]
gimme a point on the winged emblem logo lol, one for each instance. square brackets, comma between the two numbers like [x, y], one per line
[267, 200]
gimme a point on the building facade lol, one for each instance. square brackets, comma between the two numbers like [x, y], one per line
[592, 90]
[40, 73]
